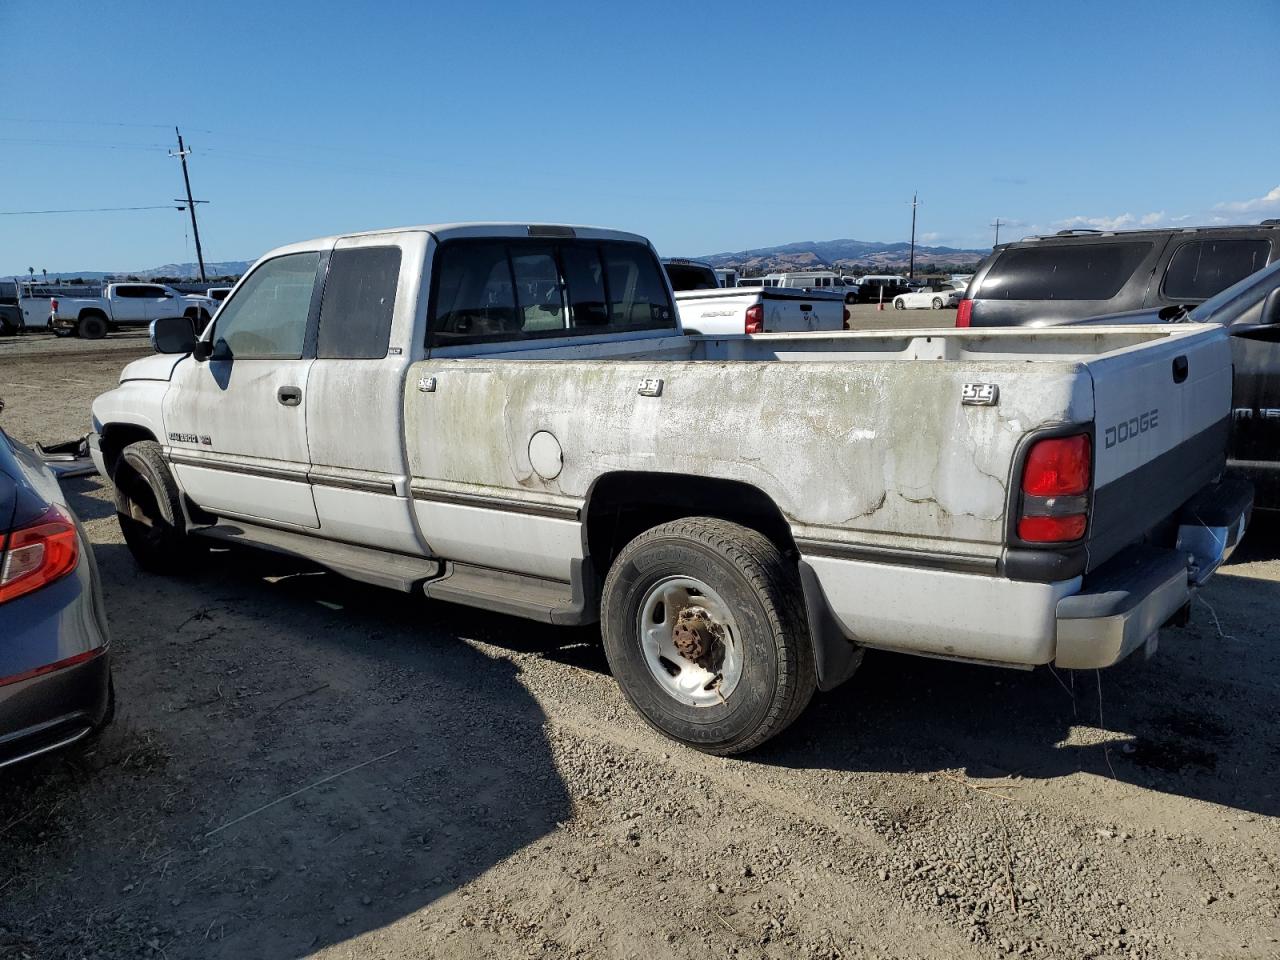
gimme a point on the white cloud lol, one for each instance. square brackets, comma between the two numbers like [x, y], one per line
[1271, 201]
[930, 237]
[1120, 222]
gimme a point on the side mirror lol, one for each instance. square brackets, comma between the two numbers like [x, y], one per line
[1268, 326]
[173, 335]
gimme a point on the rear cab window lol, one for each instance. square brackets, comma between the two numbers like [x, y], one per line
[489, 290]
[1092, 271]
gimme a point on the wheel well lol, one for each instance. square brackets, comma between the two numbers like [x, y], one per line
[91, 312]
[117, 436]
[623, 505]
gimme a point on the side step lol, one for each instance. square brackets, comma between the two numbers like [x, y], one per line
[395, 570]
[549, 601]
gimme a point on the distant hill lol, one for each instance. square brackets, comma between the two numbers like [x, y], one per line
[222, 268]
[840, 255]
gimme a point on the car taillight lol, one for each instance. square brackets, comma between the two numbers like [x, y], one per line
[755, 318]
[37, 554]
[847, 318]
[964, 313]
[1055, 490]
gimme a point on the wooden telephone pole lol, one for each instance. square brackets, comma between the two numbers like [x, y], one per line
[182, 154]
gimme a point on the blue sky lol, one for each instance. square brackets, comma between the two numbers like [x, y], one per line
[707, 127]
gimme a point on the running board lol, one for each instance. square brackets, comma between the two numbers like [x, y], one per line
[397, 571]
[549, 601]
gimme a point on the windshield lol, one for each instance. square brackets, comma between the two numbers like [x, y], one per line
[691, 276]
[1241, 303]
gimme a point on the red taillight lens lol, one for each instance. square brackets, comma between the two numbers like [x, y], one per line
[1057, 467]
[1055, 488]
[964, 313]
[755, 318]
[1052, 529]
[53, 305]
[37, 554]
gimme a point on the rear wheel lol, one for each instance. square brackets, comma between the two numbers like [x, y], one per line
[92, 326]
[705, 632]
[937, 303]
[898, 304]
[149, 508]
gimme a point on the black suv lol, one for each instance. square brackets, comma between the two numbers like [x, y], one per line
[1084, 273]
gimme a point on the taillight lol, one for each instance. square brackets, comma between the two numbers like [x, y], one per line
[37, 554]
[964, 313]
[847, 318]
[1055, 490]
[53, 305]
[755, 318]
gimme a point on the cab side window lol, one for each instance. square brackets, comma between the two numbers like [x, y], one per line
[358, 301]
[267, 317]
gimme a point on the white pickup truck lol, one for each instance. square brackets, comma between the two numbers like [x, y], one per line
[124, 305]
[509, 416]
[707, 308]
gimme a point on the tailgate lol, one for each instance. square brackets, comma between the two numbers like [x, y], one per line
[1162, 416]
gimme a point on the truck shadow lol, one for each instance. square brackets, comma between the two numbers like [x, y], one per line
[296, 760]
[1199, 720]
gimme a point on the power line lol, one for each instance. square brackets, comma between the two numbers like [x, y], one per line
[91, 123]
[103, 144]
[32, 213]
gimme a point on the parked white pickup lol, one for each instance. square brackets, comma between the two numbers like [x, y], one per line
[126, 304]
[707, 308]
[509, 416]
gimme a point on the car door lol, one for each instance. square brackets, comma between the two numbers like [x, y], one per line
[129, 303]
[355, 391]
[236, 423]
[161, 302]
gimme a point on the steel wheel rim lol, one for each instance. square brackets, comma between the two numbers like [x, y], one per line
[707, 683]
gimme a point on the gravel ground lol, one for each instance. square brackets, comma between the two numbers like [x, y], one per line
[302, 765]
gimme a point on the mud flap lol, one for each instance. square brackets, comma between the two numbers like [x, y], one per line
[836, 656]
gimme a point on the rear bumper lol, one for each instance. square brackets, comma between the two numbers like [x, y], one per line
[54, 710]
[1125, 602]
[1082, 622]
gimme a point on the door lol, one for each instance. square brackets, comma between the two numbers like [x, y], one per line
[129, 303]
[355, 391]
[236, 423]
[161, 303]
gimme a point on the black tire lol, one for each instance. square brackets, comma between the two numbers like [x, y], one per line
[149, 509]
[92, 326]
[763, 591]
[899, 305]
[937, 303]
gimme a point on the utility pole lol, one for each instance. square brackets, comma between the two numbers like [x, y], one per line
[191, 204]
[911, 269]
[997, 226]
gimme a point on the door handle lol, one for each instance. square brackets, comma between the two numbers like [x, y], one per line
[289, 396]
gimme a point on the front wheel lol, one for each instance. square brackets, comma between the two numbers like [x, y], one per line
[149, 508]
[705, 631]
[937, 303]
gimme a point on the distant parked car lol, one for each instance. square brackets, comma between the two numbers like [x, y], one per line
[933, 297]
[690, 274]
[55, 676]
[878, 287]
[1075, 274]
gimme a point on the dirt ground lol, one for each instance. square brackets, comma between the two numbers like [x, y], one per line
[305, 766]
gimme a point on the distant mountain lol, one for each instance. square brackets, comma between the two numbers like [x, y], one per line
[859, 255]
[221, 268]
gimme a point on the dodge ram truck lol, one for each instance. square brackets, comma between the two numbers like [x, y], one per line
[510, 417]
